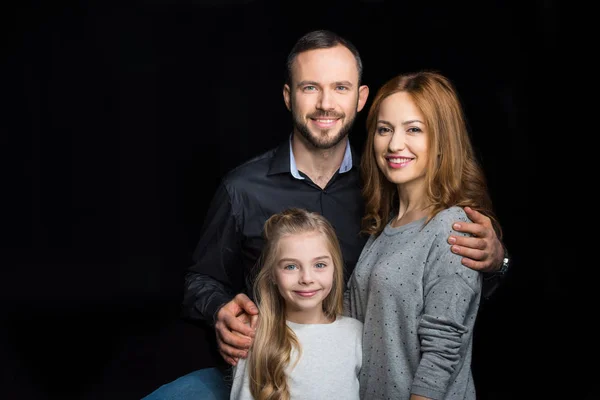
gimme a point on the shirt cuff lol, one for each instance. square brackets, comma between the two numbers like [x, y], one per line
[214, 305]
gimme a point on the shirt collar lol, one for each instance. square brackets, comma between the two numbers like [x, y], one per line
[344, 167]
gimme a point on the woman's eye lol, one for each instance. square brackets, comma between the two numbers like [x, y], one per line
[383, 130]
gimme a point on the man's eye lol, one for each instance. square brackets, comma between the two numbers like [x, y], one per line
[310, 88]
[342, 88]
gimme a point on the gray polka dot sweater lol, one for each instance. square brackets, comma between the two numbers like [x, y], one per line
[418, 304]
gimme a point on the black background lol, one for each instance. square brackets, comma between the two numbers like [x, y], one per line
[119, 119]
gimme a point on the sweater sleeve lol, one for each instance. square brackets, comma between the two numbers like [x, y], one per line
[451, 299]
[347, 312]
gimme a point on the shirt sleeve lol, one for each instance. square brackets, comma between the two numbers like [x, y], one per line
[217, 273]
[491, 282]
[451, 300]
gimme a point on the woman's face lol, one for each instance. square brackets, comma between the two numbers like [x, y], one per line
[400, 144]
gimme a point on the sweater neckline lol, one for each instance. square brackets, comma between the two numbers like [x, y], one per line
[295, 325]
[389, 230]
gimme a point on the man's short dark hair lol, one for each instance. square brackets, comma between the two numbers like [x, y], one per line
[321, 39]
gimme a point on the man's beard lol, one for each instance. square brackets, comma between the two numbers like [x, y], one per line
[316, 140]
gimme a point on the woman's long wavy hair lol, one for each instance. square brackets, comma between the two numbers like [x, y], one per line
[271, 351]
[454, 176]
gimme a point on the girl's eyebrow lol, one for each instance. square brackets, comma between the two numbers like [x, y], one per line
[293, 260]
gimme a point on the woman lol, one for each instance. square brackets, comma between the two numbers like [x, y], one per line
[417, 302]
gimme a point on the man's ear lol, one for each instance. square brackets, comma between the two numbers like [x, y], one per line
[287, 96]
[363, 95]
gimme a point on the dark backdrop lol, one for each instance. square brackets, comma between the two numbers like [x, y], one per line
[119, 119]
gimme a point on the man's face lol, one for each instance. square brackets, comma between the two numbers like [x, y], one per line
[324, 95]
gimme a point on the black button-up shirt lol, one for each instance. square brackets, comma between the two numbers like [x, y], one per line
[231, 239]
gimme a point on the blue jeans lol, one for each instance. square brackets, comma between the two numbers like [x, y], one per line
[205, 384]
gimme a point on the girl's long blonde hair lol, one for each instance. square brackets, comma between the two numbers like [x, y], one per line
[271, 350]
[454, 176]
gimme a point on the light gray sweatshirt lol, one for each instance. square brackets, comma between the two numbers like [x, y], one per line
[329, 364]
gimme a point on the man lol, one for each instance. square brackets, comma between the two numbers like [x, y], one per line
[316, 169]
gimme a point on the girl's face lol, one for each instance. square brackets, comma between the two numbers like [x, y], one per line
[304, 276]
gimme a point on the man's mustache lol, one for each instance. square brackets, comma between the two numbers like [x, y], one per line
[326, 114]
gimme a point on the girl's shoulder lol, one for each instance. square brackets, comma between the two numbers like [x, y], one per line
[348, 322]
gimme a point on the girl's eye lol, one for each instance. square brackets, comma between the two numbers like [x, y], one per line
[320, 265]
[290, 267]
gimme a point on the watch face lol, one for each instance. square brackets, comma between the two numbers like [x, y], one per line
[505, 264]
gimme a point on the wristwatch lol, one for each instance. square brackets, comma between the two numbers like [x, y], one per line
[505, 264]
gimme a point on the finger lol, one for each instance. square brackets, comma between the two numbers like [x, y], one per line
[226, 320]
[477, 217]
[244, 318]
[239, 324]
[470, 228]
[235, 339]
[254, 321]
[230, 308]
[232, 352]
[235, 350]
[474, 265]
[466, 252]
[467, 241]
[245, 304]
[229, 360]
[474, 259]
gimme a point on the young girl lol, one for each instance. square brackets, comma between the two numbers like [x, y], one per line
[304, 348]
[417, 302]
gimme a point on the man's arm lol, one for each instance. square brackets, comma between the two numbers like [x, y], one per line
[483, 251]
[217, 273]
[203, 297]
[216, 276]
